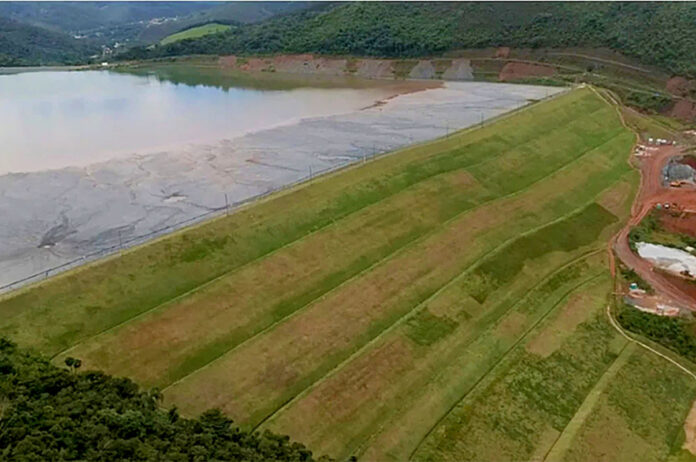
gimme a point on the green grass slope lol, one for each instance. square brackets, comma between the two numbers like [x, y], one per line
[195, 32]
[374, 312]
[22, 44]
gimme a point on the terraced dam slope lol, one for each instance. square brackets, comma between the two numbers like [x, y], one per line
[441, 303]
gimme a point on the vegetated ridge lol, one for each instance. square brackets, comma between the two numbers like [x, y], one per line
[22, 44]
[52, 413]
[40, 33]
[661, 34]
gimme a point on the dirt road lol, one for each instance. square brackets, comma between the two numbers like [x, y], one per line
[651, 193]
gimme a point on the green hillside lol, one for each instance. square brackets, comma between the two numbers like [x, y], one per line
[655, 33]
[142, 22]
[221, 12]
[195, 32]
[52, 413]
[22, 44]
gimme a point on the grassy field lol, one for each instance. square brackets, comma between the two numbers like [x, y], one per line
[195, 32]
[371, 312]
[644, 407]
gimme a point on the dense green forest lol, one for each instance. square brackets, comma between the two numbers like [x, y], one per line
[22, 44]
[40, 33]
[52, 414]
[76, 17]
[654, 33]
[140, 22]
[661, 34]
[674, 333]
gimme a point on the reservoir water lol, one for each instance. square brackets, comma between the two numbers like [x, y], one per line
[57, 119]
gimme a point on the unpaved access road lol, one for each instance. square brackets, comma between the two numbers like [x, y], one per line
[651, 193]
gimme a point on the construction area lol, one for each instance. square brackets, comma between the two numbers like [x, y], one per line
[667, 193]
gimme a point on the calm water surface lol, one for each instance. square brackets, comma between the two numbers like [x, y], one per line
[61, 118]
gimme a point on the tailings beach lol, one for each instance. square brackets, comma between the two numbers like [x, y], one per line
[55, 216]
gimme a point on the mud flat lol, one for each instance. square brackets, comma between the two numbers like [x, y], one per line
[53, 217]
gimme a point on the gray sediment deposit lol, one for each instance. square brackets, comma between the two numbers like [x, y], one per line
[460, 69]
[422, 70]
[53, 217]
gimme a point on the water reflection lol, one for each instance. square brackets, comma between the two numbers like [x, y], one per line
[213, 75]
[61, 118]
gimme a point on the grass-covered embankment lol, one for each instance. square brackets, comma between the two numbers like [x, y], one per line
[359, 312]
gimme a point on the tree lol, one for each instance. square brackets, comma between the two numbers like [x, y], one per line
[73, 363]
[50, 413]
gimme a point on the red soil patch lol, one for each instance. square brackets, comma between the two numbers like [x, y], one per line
[684, 223]
[653, 192]
[684, 110]
[686, 287]
[502, 52]
[679, 86]
[255, 65]
[228, 61]
[688, 160]
[515, 71]
[310, 64]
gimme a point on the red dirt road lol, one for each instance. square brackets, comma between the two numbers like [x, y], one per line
[651, 193]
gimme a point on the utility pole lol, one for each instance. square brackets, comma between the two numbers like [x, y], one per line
[227, 205]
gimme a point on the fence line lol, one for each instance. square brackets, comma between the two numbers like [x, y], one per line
[142, 238]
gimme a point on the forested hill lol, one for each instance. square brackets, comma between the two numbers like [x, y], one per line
[662, 34]
[48, 413]
[22, 44]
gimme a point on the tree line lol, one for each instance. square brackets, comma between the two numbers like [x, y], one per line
[654, 33]
[677, 334]
[25, 45]
[54, 413]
